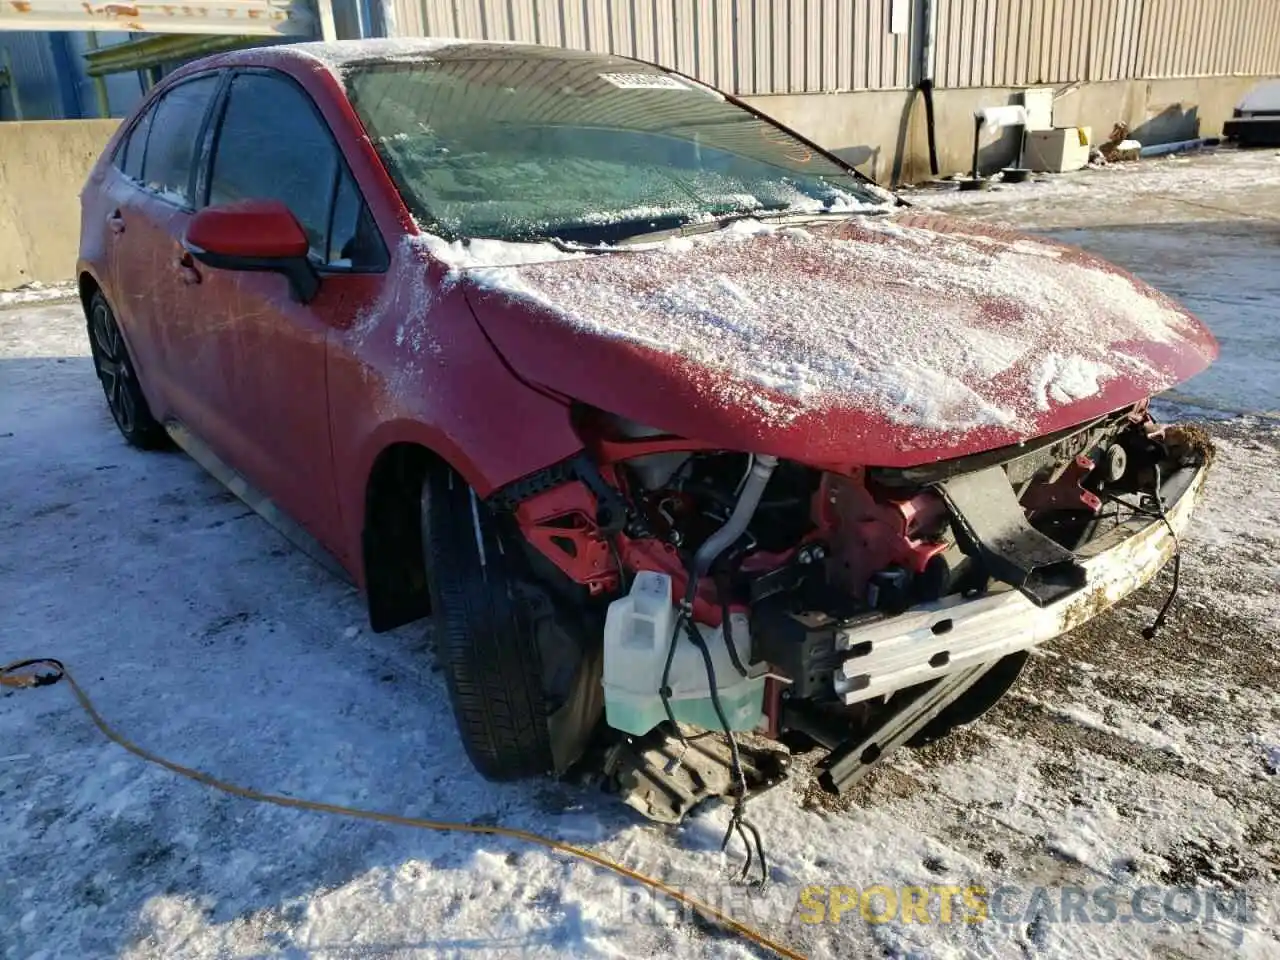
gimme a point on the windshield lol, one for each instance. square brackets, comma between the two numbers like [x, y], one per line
[580, 147]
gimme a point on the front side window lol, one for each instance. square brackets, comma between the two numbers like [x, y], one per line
[272, 146]
[353, 237]
[176, 122]
[581, 147]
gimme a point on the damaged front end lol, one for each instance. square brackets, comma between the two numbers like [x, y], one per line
[857, 611]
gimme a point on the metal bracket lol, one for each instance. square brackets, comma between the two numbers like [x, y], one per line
[992, 523]
[611, 509]
[847, 765]
[663, 780]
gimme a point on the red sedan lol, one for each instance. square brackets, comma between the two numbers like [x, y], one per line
[667, 417]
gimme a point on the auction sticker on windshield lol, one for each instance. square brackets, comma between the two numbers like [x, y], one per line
[643, 81]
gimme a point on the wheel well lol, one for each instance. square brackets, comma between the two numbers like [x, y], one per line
[394, 568]
[88, 287]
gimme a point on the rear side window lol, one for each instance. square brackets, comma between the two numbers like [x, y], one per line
[272, 144]
[176, 122]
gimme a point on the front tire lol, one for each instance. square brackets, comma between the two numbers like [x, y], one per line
[119, 378]
[496, 635]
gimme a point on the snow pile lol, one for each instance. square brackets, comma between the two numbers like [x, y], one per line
[942, 331]
[1212, 184]
[1264, 98]
[37, 292]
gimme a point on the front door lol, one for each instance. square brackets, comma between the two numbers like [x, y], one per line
[260, 363]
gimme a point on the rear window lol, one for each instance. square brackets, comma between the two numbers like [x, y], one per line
[579, 147]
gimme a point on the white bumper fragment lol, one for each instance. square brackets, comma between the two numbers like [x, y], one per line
[934, 639]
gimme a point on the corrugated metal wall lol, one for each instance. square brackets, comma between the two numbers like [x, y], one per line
[811, 46]
[49, 87]
[981, 43]
[747, 46]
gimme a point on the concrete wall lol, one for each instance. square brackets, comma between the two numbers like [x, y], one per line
[883, 132]
[43, 165]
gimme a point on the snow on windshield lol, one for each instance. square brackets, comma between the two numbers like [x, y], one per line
[942, 332]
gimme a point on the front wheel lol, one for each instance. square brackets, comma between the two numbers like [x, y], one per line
[119, 379]
[510, 661]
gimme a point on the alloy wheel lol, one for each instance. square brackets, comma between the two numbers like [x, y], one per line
[114, 369]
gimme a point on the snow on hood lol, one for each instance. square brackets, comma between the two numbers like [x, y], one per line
[936, 325]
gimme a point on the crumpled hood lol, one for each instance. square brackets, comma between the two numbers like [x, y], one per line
[887, 341]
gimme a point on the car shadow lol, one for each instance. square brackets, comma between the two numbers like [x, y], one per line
[204, 636]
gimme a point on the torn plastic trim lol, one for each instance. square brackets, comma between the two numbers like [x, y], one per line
[941, 637]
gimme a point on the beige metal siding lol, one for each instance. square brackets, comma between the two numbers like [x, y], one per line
[1195, 38]
[747, 46]
[982, 43]
[812, 46]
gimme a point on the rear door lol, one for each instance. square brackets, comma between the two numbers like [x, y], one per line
[149, 200]
[153, 202]
[258, 357]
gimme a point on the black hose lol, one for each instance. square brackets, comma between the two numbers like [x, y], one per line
[1150, 632]
[722, 588]
[664, 691]
[926, 88]
[1160, 513]
[695, 638]
[737, 822]
[728, 640]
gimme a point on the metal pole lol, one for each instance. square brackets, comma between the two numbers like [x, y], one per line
[927, 16]
[977, 138]
[99, 82]
[324, 8]
[6, 70]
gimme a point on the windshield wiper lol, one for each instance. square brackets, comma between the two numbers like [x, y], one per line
[720, 221]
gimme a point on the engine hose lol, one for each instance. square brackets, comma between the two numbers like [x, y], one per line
[757, 479]
[664, 691]
[722, 587]
[21, 674]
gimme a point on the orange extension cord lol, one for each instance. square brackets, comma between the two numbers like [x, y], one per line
[27, 673]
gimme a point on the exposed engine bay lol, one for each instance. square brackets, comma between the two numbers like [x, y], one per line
[744, 594]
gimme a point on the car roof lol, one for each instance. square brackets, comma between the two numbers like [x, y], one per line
[338, 55]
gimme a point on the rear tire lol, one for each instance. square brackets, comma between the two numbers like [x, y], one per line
[119, 378]
[491, 630]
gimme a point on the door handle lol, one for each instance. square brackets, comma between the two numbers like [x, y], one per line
[187, 271]
[116, 222]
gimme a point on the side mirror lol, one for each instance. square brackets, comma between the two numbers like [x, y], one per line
[254, 235]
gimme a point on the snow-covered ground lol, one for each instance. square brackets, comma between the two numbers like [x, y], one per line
[1116, 765]
[37, 292]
